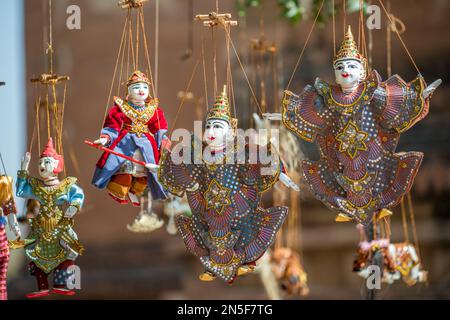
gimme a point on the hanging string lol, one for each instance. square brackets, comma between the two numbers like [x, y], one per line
[122, 53]
[156, 46]
[130, 33]
[229, 73]
[48, 116]
[304, 46]
[144, 35]
[56, 118]
[344, 7]
[243, 70]
[137, 42]
[214, 59]
[370, 52]
[404, 221]
[254, 63]
[128, 46]
[388, 42]
[399, 37]
[413, 225]
[63, 107]
[50, 45]
[141, 12]
[183, 99]
[387, 225]
[115, 70]
[274, 60]
[360, 21]
[334, 28]
[204, 70]
[36, 130]
[33, 136]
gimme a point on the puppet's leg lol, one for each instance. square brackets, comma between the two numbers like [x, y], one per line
[138, 186]
[42, 282]
[4, 259]
[119, 186]
[61, 277]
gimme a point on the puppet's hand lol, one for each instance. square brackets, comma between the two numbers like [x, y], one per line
[194, 188]
[152, 167]
[430, 89]
[25, 162]
[103, 140]
[272, 116]
[14, 225]
[288, 182]
[70, 212]
[166, 144]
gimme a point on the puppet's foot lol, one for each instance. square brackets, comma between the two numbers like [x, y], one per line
[383, 213]
[63, 291]
[207, 276]
[341, 217]
[245, 269]
[117, 199]
[134, 199]
[37, 294]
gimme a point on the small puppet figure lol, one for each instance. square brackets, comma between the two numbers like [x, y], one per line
[228, 230]
[134, 127]
[289, 272]
[8, 216]
[364, 259]
[356, 126]
[400, 261]
[407, 264]
[52, 245]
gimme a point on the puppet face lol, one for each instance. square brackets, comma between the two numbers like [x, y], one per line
[218, 133]
[349, 73]
[47, 167]
[138, 92]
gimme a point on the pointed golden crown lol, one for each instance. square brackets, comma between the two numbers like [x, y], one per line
[221, 109]
[137, 77]
[349, 49]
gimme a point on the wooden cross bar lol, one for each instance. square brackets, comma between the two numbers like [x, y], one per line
[213, 19]
[127, 4]
[50, 79]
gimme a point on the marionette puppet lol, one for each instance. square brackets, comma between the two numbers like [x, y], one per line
[228, 230]
[356, 125]
[8, 216]
[289, 272]
[400, 261]
[133, 134]
[52, 245]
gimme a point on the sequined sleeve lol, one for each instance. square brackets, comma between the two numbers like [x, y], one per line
[23, 186]
[9, 207]
[262, 170]
[400, 104]
[176, 177]
[76, 196]
[304, 114]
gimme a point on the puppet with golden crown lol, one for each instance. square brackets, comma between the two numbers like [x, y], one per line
[134, 127]
[223, 181]
[356, 126]
[52, 245]
[7, 216]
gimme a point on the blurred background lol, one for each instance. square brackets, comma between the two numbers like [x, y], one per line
[119, 264]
